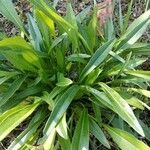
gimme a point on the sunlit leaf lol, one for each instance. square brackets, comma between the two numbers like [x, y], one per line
[122, 108]
[13, 117]
[97, 58]
[126, 140]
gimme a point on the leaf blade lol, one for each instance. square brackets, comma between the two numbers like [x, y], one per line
[126, 140]
[80, 139]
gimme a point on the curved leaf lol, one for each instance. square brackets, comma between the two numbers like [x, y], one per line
[122, 108]
[134, 31]
[29, 131]
[125, 140]
[61, 128]
[12, 89]
[13, 117]
[140, 73]
[59, 109]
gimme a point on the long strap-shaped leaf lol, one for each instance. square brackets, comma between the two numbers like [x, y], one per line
[35, 34]
[59, 109]
[125, 140]
[4, 76]
[13, 117]
[51, 13]
[97, 59]
[20, 53]
[8, 10]
[135, 31]
[47, 10]
[80, 139]
[12, 89]
[140, 73]
[20, 96]
[101, 97]
[98, 133]
[29, 131]
[68, 28]
[15, 42]
[122, 108]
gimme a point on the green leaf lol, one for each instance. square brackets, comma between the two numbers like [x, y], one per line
[98, 133]
[83, 14]
[12, 89]
[92, 31]
[49, 11]
[66, 26]
[4, 76]
[140, 49]
[35, 34]
[19, 97]
[97, 113]
[97, 58]
[145, 93]
[93, 76]
[132, 100]
[146, 129]
[139, 73]
[122, 108]
[6, 73]
[49, 142]
[101, 97]
[57, 41]
[13, 117]
[130, 81]
[78, 58]
[60, 57]
[8, 10]
[14, 42]
[61, 106]
[20, 54]
[120, 16]
[62, 81]
[127, 17]
[109, 29]
[126, 140]
[113, 67]
[48, 98]
[70, 16]
[46, 20]
[134, 31]
[80, 139]
[29, 131]
[64, 143]
[61, 128]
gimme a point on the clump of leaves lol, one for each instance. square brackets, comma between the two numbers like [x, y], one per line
[78, 81]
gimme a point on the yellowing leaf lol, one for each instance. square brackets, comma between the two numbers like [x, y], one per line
[61, 128]
[13, 117]
[125, 140]
[62, 81]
